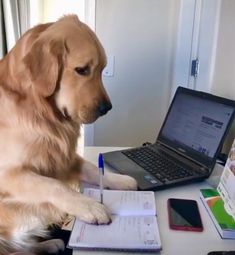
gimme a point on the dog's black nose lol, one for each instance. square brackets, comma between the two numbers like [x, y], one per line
[104, 107]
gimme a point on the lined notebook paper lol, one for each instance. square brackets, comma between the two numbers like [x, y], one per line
[134, 223]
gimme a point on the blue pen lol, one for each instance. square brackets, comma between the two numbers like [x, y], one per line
[101, 172]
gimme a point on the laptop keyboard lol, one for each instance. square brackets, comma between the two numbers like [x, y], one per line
[157, 164]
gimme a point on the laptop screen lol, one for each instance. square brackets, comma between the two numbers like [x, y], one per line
[196, 124]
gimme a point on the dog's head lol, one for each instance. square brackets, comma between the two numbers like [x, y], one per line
[66, 62]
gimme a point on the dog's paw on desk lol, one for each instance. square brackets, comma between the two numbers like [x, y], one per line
[56, 245]
[120, 182]
[52, 246]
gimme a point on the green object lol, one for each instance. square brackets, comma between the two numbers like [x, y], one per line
[214, 204]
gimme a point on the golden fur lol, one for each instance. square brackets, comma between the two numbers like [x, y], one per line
[50, 83]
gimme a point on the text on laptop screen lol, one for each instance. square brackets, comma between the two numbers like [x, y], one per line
[197, 123]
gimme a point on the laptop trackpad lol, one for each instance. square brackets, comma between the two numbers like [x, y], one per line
[144, 179]
[126, 167]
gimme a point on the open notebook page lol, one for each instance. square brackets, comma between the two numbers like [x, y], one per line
[125, 232]
[126, 202]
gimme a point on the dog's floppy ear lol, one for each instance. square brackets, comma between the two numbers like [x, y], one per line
[43, 63]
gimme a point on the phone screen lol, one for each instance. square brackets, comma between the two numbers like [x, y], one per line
[184, 215]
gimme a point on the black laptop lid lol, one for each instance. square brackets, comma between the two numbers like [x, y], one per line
[196, 125]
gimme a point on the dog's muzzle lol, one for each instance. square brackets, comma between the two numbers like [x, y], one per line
[104, 107]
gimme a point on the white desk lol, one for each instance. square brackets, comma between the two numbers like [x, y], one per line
[175, 242]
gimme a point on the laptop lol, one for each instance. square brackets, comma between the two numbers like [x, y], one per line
[187, 145]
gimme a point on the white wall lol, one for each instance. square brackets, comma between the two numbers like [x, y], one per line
[224, 75]
[141, 36]
[54, 9]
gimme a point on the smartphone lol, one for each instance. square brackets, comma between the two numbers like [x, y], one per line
[184, 215]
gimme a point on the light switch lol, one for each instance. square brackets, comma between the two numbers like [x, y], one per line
[109, 69]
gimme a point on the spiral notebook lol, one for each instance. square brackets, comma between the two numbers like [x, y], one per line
[134, 224]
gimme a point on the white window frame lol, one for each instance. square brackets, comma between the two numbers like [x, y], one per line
[196, 18]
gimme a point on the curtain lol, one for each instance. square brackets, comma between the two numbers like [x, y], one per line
[14, 17]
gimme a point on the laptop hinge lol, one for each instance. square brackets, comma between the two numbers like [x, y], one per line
[202, 167]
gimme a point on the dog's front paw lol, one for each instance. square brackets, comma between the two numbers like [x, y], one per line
[121, 182]
[52, 246]
[92, 212]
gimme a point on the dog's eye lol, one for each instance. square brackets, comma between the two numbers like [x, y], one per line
[83, 70]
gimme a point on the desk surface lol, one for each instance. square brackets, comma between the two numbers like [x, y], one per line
[176, 242]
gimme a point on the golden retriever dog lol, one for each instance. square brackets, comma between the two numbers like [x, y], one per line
[50, 83]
